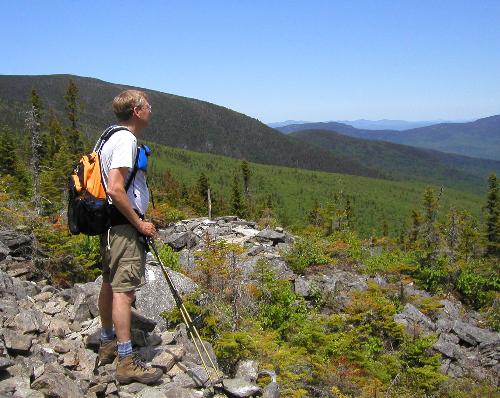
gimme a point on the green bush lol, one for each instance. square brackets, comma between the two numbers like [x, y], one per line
[477, 288]
[306, 252]
[169, 257]
[391, 261]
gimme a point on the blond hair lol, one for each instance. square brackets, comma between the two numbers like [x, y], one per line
[125, 102]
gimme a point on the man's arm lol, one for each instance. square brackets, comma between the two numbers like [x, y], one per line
[116, 191]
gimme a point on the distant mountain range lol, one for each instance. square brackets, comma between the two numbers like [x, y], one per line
[204, 127]
[480, 138]
[286, 123]
[384, 124]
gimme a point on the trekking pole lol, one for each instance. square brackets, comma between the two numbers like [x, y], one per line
[185, 315]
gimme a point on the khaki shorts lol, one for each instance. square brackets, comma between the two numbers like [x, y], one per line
[123, 264]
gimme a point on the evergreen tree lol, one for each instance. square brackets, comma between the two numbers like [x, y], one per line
[237, 205]
[314, 216]
[36, 102]
[203, 186]
[469, 241]
[55, 179]
[72, 110]
[56, 136]
[430, 207]
[493, 216]
[245, 169]
[8, 157]
[453, 233]
[416, 223]
[33, 127]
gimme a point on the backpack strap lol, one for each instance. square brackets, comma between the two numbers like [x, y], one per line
[105, 136]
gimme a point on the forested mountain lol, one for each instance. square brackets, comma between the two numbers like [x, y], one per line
[402, 161]
[178, 121]
[204, 127]
[480, 138]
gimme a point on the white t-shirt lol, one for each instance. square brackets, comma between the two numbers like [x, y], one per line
[120, 151]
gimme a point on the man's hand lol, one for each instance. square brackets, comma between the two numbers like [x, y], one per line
[147, 229]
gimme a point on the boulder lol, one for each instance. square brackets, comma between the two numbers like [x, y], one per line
[414, 320]
[4, 251]
[241, 388]
[270, 235]
[155, 296]
[17, 343]
[473, 335]
[180, 240]
[58, 385]
[247, 370]
[447, 345]
[18, 243]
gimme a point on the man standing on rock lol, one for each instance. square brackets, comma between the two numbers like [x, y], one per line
[122, 247]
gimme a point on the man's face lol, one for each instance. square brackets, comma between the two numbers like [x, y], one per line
[143, 113]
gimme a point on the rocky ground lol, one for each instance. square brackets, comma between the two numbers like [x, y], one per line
[49, 337]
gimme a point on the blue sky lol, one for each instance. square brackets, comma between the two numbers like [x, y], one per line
[274, 60]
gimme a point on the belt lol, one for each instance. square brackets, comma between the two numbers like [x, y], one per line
[117, 218]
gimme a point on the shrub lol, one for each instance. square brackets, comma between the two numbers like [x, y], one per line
[306, 252]
[169, 257]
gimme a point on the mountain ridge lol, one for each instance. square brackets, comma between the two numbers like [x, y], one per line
[479, 138]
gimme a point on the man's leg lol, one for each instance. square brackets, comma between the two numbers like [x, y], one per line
[122, 317]
[106, 305]
[107, 348]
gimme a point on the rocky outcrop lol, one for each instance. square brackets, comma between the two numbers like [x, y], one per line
[49, 338]
[466, 350]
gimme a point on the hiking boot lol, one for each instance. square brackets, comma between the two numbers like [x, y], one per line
[107, 352]
[132, 368]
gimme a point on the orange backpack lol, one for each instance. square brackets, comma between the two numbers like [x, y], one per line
[89, 211]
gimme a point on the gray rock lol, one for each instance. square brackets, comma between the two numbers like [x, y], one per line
[164, 360]
[176, 391]
[27, 393]
[472, 334]
[302, 286]
[5, 363]
[17, 343]
[81, 311]
[167, 338]
[138, 338]
[241, 388]
[15, 287]
[155, 297]
[444, 325]
[187, 260]
[413, 320]
[184, 381]
[4, 251]
[191, 351]
[141, 322]
[62, 347]
[199, 375]
[133, 388]
[93, 340]
[57, 385]
[255, 250]
[447, 345]
[272, 390]
[28, 321]
[151, 392]
[247, 370]
[269, 235]
[180, 240]
[18, 243]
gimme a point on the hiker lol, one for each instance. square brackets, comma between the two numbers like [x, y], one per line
[123, 248]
